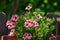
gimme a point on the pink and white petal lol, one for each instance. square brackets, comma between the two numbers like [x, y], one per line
[9, 23]
[28, 8]
[25, 35]
[11, 26]
[30, 25]
[35, 24]
[12, 32]
[14, 17]
[38, 16]
[29, 36]
[26, 25]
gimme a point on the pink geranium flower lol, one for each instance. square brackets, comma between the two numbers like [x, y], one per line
[28, 8]
[14, 17]
[38, 16]
[10, 24]
[27, 36]
[28, 23]
[12, 32]
[35, 24]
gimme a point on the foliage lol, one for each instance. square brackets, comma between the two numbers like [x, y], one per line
[39, 32]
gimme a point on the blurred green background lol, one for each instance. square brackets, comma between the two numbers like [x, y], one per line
[45, 5]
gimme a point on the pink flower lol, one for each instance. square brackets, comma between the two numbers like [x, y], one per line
[12, 32]
[35, 24]
[38, 16]
[28, 8]
[27, 36]
[10, 24]
[28, 23]
[14, 17]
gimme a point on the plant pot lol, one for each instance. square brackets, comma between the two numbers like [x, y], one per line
[10, 38]
[57, 37]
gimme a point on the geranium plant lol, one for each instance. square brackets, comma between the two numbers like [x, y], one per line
[33, 25]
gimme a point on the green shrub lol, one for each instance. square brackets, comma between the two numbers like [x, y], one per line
[39, 32]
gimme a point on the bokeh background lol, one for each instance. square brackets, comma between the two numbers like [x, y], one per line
[45, 5]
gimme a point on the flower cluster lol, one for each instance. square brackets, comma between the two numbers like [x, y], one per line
[11, 24]
[27, 36]
[30, 23]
